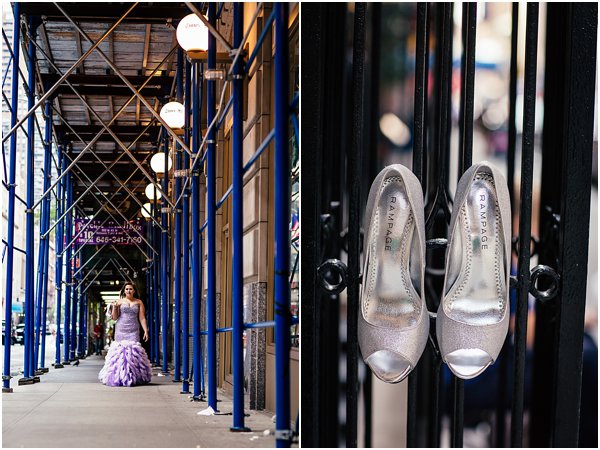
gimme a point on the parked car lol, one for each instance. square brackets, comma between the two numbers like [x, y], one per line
[13, 333]
[20, 334]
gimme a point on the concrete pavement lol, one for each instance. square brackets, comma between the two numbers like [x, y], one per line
[71, 408]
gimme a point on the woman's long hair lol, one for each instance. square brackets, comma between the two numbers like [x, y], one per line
[127, 283]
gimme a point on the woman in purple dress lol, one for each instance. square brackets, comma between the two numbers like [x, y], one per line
[126, 362]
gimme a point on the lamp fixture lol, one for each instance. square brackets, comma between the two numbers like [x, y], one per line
[173, 113]
[192, 34]
[157, 163]
[149, 191]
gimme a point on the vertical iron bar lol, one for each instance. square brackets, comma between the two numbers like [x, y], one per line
[578, 125]
[282, 237]
[211, 300]
[418, 168]
[164, 260]
[421, 83]
[512, 123]
[177, 260]
[467, 86]
[510, 175]
[531, 38]
[196, 254]
[185, 285]
[237, 275]
[313, 42]
[29, 250]
[354, 159]
[10, 237]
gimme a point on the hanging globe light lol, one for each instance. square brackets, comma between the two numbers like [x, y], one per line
[192, 34]
[150, 192]
[173, 113]
[157, 162]
[146, 210]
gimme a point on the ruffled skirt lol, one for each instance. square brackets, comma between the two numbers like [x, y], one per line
[126, 364]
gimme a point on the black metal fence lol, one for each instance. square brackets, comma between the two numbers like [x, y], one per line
[536, 396]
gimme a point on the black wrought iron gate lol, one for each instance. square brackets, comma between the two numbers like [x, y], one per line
[341, 58]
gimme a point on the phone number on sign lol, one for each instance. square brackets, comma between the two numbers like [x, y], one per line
[117, 240]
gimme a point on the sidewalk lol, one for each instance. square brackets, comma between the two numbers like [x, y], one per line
[71, 408]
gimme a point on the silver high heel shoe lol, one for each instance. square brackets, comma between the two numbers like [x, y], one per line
[472, 319]
[393, 323]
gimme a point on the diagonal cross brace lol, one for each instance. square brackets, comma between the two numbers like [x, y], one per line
[105, 126]
[67, 73]
[126, 81]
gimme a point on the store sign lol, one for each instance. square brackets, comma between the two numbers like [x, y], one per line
[97, 233]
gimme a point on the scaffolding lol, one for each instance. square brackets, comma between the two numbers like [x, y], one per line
[201, 83]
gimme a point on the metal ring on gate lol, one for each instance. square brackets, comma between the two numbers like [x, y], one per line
[327, 270]
[552, 291]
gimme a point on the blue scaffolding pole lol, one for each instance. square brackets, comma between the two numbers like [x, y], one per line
[28, 370]
[283, 433]
[155, 278]
[185, 289]
[196, 237]
[177, 237]
[43, 244]
[73, 281]
[10, 237]
[237, 290]
[211, 299]
[68, 271]
[59, 251]
[164, 259]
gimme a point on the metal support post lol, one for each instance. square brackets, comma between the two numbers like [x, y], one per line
[28, 369]
[196, 236]
[164, 260]
[81, 302]
[177, 244]
[150, 293]
[10, 237]
[282, 239]
[68, 271]
[211, 298]
[156, 277]
[59, 259]
[185, 260]
[237, 298]
[74, 300]
[43, 244]
[524, 276]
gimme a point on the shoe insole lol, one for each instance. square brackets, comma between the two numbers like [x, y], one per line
[477, 296]
[391, 299]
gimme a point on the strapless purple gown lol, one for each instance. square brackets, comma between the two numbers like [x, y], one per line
[126, 362]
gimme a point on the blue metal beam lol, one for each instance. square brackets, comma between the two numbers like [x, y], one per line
[164, 260]
[282, 240]
[10, 238]
[185, 285]
[28, 370]
[196, 237]
[237, 274]
[177, 237]
[211, 301]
